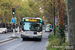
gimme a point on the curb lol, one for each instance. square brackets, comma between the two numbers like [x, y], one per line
[51, 32]
[16, 37]
[47, 43]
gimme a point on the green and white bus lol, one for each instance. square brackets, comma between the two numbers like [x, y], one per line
[31, 28]
[48, 28]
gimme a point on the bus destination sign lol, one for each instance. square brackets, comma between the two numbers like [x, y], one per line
[32, 20]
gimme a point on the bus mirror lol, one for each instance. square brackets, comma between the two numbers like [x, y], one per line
[42, 22]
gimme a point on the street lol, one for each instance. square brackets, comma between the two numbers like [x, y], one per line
[5, 35]
[19, 44]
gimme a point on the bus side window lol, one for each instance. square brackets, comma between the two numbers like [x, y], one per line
[50, 26]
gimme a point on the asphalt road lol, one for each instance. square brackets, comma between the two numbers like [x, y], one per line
[29, 44]
[5, 35]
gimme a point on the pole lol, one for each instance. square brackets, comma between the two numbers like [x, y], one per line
[14, 28]
[13, 21]
[18, 29]
[54, 18]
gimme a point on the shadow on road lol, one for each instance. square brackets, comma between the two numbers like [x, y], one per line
[32, 39]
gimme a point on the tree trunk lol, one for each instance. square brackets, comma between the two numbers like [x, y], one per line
[71, 22]
[61, 19]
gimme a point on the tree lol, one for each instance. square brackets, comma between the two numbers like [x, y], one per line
[26, 8]
[71, 22]
[48, 6]
[35, 9]
[61, 19]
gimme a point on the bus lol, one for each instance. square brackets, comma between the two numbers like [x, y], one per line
[48, 28]
[31, 28]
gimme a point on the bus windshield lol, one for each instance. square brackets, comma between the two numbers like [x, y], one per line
[32, 26]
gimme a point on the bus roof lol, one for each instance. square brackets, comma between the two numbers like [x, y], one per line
[48, 24]
[31, 18]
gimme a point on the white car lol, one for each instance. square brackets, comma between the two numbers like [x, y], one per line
[1, 31]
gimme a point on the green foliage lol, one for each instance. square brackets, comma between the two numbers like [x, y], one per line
[22, 8]
[31, 3]
[48, 6]
[61, 31]
[54, 40]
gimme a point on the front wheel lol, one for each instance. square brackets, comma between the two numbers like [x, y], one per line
[23, 39]
[40, 39]
[5, 32]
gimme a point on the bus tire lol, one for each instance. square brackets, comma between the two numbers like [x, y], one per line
[5, 32]
[40, 39]
[23, 39]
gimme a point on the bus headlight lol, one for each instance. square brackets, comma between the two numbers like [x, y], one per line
[39, 33]
[22, 32]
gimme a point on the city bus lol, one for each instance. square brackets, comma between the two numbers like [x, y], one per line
[48, 28]
[31, 28]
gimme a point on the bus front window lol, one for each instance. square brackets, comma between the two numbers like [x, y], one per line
[31, 26]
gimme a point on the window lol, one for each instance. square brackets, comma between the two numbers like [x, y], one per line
[32, 26]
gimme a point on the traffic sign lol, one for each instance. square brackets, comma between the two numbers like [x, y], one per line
[13, 20]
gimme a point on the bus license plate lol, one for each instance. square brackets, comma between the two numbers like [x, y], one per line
[29, 33]
[30, 36]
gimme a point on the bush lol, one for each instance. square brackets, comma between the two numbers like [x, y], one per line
[55, 40]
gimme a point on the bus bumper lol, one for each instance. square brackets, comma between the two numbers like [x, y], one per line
[25, 36]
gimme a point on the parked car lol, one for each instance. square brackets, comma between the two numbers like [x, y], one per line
[9, 30]
[1, 31]
[48, 28]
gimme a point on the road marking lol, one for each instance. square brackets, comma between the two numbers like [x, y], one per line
[8, 41]
[5, 40]
[20, 46]
[14, 47]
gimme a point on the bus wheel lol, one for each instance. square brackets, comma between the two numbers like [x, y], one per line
[40, 39]
[23, 39]
[5, 32]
